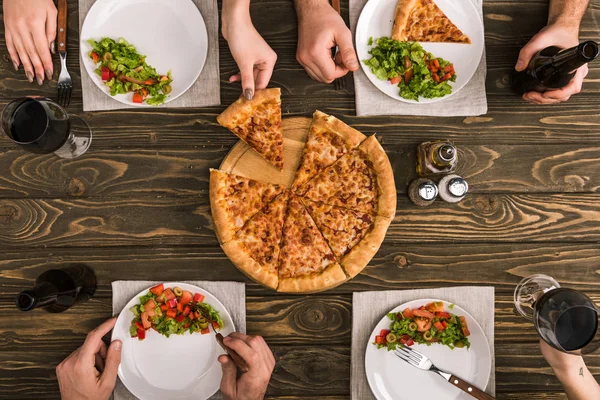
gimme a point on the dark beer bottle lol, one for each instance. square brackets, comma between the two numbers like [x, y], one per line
[553, 68]
[56, 290]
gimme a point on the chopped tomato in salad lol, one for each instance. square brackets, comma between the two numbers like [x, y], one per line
[425, 325]
[172, 311]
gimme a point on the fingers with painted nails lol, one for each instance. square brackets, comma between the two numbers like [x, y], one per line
[30, 31]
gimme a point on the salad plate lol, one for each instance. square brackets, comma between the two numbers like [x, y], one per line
[377, 19]
[170, 33]
[176, 367]
[385, 370]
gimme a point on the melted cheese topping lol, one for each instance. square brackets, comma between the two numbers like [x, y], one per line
[303, 250]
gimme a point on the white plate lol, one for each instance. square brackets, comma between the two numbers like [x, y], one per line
[179, 367]
[391, 378]
[171, 33]
[377, 19]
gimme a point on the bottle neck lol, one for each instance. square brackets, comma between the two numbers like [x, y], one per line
[42, 295]
[569, 60]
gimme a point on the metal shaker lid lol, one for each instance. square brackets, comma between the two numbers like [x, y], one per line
[458, 187]
[447, 152]
[427, 190]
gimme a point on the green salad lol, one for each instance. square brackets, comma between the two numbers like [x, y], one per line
[416, 72]
[424, 325]
[124, 70]
[172, 311]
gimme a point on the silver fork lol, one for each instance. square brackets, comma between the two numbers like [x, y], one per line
[65, 84]
[421, 361]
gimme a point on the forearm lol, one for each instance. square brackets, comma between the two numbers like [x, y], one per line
[578, 382]
[567, 13]
[234, 12]
[304, 6]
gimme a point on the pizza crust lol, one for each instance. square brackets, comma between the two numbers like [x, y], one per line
[243, 106]
[331, 277]
[403, 11]
[331, 123]
[385, 176]
[361, 254]
[234, 249]
[220, 218]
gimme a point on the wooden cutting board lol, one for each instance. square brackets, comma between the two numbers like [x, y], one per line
[244, 161]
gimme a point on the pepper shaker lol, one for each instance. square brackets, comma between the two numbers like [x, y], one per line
[422, 192]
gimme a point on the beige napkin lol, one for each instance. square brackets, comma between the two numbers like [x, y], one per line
[231, 294]
[205, 92]
[370, 307]
[470, 100]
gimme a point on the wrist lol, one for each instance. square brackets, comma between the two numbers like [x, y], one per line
[235, 13]
[569, 372]
[567, 26]
[305, 7]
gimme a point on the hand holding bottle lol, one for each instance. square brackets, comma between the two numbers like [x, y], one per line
[552, 35]
[90, 372]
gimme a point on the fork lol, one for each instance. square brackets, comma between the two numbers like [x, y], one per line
[65, 84]
[421, 361]
[237, 359]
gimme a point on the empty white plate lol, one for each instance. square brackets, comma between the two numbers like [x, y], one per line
[171, 33]
[181, 367]
[391, 378]
[377, 19]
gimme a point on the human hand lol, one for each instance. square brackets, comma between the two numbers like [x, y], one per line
[320, 28]
[254, 57]
[552, 35]
[90, 372]
[251, 385]
[30, 31]
[561, 361]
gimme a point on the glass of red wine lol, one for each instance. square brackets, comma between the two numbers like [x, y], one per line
[41, 126]
[564, 318]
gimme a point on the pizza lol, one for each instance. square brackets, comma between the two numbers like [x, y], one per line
[353, 236]
[328, 140]
[362, 180]
[255, 247]
[258, 123]
[424, 21]
[235, 199]
[320, 233]
[306, 263]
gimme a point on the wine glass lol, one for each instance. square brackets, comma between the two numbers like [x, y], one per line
[41, 126]
[564, 318]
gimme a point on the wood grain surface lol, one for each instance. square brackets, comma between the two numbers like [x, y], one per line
[136, 207]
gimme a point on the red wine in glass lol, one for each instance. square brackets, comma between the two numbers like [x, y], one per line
[41, 126]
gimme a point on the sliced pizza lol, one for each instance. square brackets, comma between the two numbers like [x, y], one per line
[306, 263]
[362, 180]
[328, 140]
[235, 199]
[354, 236]
[424, 21]
[255, 247]
[258, 123]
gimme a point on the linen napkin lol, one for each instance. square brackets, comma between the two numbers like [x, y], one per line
[205, 92]
[370, 307]
[468, 101]
[231, 294]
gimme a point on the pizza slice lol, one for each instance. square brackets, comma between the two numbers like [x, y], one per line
[306, 263]
[328, 140]
[235, 199]
[424, 21]
[255, 247]
[362, 180]
[354, 236]
[258, 123]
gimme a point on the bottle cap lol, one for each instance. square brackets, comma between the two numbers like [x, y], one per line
[447, 152]
[458, 187]
[427, 191]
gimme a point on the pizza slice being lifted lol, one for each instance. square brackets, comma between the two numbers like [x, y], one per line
[362, 180]
[354, 236]
[235, 199]
[255, 247]
[424, 21]
[258, 123]
[306, 263]
[328, 140]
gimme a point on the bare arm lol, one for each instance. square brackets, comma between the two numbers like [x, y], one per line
[567, 13]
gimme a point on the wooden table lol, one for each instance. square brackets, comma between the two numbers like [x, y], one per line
[136, 207]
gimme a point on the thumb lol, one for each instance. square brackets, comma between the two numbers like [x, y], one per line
[537, 43]
[111, 365]
[229, 380]
[247, 74]
[346, 49]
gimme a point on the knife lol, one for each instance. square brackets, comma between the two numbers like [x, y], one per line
[237, 359]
